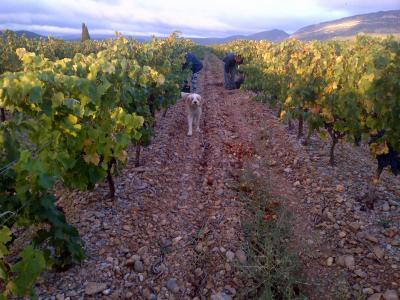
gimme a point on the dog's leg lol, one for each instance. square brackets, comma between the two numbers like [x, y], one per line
[190, 122]
[198, 115]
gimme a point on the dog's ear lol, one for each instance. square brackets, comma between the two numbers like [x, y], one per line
[187, 98]
[184, 95]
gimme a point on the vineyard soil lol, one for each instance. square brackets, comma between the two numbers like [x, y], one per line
[174, 229]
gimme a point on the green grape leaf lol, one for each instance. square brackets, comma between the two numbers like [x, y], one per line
[27, 270]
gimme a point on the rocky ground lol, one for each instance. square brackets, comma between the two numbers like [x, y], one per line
[174, 230]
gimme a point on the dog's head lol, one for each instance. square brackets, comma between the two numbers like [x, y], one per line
[193, 100]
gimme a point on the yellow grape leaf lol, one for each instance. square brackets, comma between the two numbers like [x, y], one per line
[380, 149]
[288, 100]
[330, 88]
[374, 132]
[323, 135]
[11, 286]
[370, 77]
[72, 119]
[70, 132]
[21, 52]
[123, 156]
[283, 114]
[160, 79]
[93, 158]
[327, 115]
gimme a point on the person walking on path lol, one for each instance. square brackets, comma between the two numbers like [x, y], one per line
[231, 61]
[196, 66]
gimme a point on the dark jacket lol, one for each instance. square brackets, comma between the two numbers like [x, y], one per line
[230, 62]
[192, 61]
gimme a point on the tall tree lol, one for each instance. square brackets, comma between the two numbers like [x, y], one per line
[85, 33]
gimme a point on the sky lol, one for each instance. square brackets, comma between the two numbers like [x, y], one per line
[205, 18]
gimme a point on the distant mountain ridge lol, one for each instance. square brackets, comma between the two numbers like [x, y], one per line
[378, 23]
[274, 35]
[28, 34]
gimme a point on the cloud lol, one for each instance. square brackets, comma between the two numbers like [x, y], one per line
[208, 18]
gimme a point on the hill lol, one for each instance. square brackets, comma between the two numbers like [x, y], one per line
[379, 23]
[274, 35]
[100, 37]
[28, 34]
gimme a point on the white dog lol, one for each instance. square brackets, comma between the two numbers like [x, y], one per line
[193, 104]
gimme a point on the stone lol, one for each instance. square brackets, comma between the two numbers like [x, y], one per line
[368, 291]
[172, 285]
[386, 206]
[340, 188]
[219, 192]
[379, 252]
[339, 199]
[229, 255]
[60, 297]
[72, 294]
[127, 228]
[346, 261]
[241, 256]
[176, 240]
[198, 272]
[138, 266]
[131, 261]
[360, 273]
[376, 296]
[107, 292]
[371, 238]
[166, 243]
[93, 288]
[221, 296]
[394, 203]
[148, 294]
[330, 216]
[329, 261]
[143, 250]
[354, 226]
[287, 170]
[199, 248]
[228, 267]
[297, 183]
[230, 290]
[391, 295]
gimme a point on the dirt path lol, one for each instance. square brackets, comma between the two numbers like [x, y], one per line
[174, 215]
[174, 230]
